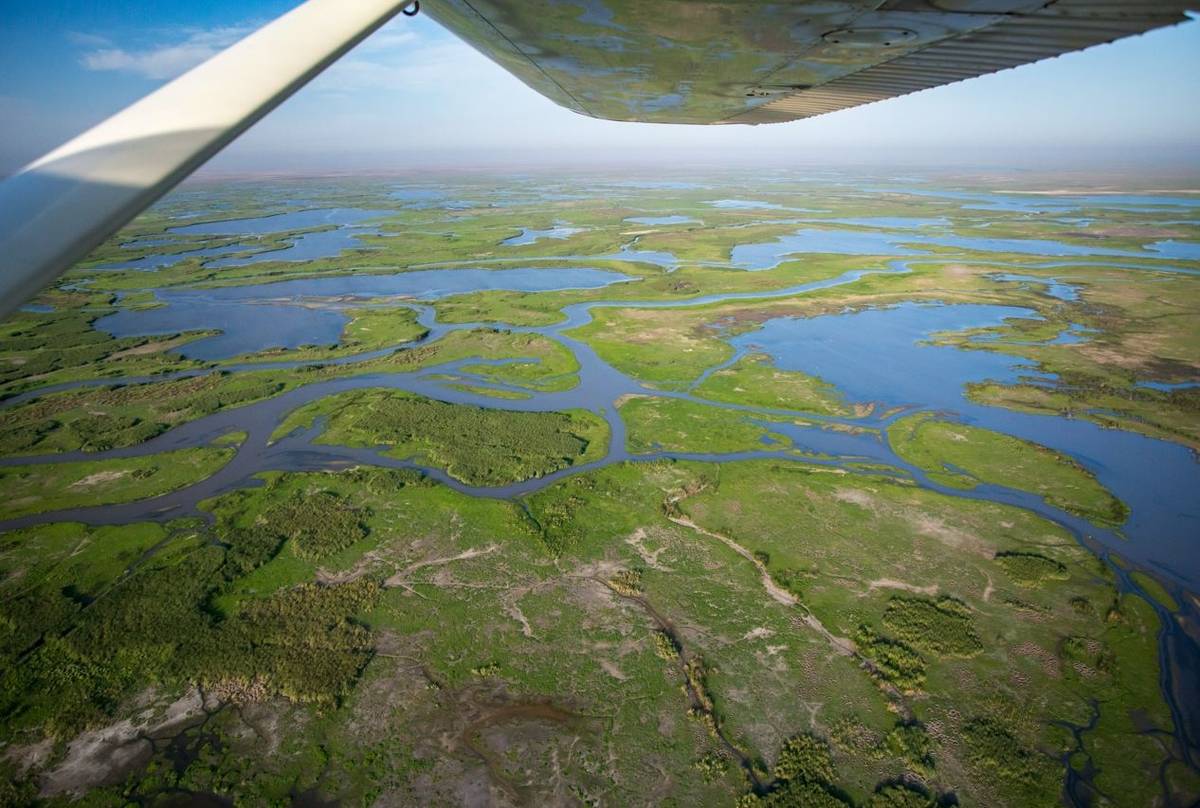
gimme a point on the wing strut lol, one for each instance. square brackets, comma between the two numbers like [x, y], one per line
[58, 208]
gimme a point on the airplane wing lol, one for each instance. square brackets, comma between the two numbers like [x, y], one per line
[669, 61]
[763, 61]
[55, 210]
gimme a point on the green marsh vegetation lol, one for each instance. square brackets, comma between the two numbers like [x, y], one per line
[38, 349]
[671, 424]
[754, 380]
[475, 445]
[532, 360]
[370, 635]
[671, 347]
[93, 419]
[259, 614]
[1141, 331]
[57, 486]
[685, 283]
[959, 455]
[101, 418]
[881, 556]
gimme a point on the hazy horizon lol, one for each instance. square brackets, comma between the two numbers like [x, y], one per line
[414, 96]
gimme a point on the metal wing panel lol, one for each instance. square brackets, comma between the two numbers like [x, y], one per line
[752, 61]
[1013, 41]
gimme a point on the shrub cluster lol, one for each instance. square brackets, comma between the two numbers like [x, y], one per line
[943, 626]
[67, 663]
[1093, 653]
[993, 748]
[900, 796]
[476, 445]
[804, 778]
[805, 758]
[1031, 569]
[912, 744]
[894, 662]
[320, 524]
[627, 582]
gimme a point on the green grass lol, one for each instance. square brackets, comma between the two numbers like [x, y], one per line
[57, 486]
[755, 381]
[380, 636]
[70, 557]
[1155, 590]
[670, 424]
[475, 445]
[653, 345]
[963, 456]
[97, 419]
[860, 546]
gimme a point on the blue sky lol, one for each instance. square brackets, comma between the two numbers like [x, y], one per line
[413, 95]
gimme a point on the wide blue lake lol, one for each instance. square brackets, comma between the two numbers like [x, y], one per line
[1157, 479]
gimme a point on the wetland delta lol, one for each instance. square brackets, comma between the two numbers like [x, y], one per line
[615, 491]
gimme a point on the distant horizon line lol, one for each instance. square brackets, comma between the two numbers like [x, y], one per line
[1070, 180]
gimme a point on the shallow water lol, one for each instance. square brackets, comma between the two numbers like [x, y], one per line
[891, 222]
[531, 236]
[149, 263]
[1046, 203]
[281, 222]
[770, 254]
[844, 350]
[1167, 387]
[274, 315]
[307, 247]
[658, 185]
[753, 204]
[1054, 288]
[1179, 250]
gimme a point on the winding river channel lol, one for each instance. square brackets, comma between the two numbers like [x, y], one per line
[1158, 480]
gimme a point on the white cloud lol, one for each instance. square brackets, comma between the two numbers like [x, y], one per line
[88, 40]
[165, 61]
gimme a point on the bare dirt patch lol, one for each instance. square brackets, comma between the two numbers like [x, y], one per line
[108, 754]
[399, 578]
[637, 542]
[99, 478]
[949, 535]
[888, 583]
[150, 347]
[855, 496]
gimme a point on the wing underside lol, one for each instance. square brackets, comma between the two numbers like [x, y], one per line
[752, 61]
